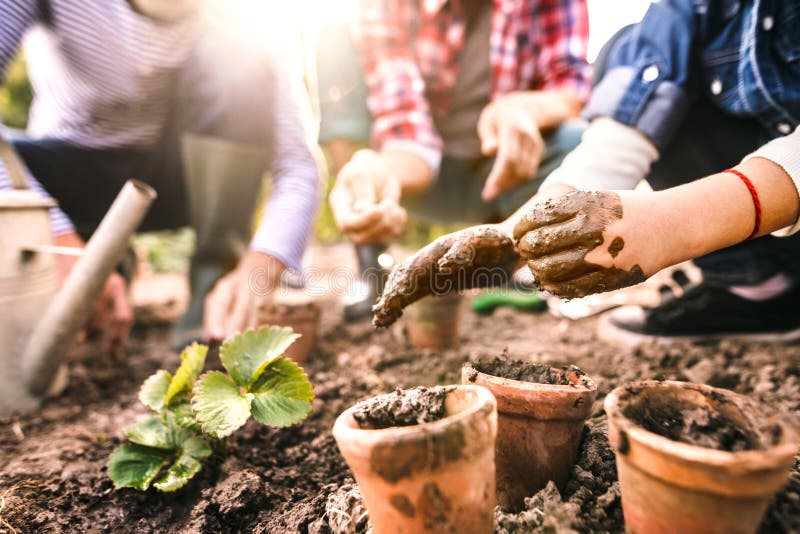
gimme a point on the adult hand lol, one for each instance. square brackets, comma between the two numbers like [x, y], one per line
[588, 242]
[112, 314]
[508, 130]
[479, 256]
[366, 200]
[233, 305]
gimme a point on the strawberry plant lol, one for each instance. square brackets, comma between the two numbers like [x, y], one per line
[192, 416]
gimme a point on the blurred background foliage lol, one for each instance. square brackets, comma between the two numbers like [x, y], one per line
[170, 251]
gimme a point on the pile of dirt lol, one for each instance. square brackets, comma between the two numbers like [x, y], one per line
[52, 462]
[402, 407]
[527, 371]
[699, 425]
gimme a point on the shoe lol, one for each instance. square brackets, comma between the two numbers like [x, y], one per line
[221, 215]
[373, 265]
[706, 312]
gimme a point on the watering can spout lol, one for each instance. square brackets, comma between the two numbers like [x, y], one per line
[72, 305]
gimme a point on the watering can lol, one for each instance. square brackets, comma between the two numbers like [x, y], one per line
[38, 321]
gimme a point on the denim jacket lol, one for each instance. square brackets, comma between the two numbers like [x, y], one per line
[743, 55]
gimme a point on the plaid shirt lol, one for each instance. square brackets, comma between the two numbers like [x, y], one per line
[410, 53]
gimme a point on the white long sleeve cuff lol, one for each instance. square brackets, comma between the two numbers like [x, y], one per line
[610, 156]
[784, 151]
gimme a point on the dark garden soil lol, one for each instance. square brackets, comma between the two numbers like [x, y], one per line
[527, 371]
[52, 463]
[699, 425]
[402, 407]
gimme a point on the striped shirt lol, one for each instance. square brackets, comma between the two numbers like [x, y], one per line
[104, 77]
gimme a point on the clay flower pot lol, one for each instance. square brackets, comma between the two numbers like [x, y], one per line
[672, 486]
[302, 315]
[431, 477]
[433, 322]
[539, 431]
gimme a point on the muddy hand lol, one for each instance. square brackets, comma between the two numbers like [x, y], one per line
[556, 236]
[481, 256]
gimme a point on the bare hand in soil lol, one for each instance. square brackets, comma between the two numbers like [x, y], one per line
[557, 235]
[480, 256]
[233, 304]
[366, 200]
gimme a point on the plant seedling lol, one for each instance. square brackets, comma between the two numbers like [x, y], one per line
[192, 417]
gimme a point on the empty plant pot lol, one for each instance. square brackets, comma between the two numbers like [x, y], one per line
[433, 322]
[540, 423]
[433, 477]
[696, 459]
[302, 315]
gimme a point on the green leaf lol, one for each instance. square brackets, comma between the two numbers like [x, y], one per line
[219, 406]
[246, 355]
[184, 417]
[154, 389]
[151, 432]
[282, 395]
[134, 466]
[186, 466]
[193, 358]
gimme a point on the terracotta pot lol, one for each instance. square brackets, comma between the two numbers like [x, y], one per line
[539, 431]
[433, 322]
[433, 477]
[669, 486]
[303, 316]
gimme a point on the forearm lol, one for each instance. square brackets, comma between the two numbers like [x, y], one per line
[718, 211]
[550, 108]
[411, 170]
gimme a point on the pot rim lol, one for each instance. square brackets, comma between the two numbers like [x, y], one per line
[677, 455]
[541, 402]
[532, 386]
[346, 429]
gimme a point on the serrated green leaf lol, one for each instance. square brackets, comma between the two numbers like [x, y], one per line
[246, 355]
[186, 466]
[193, 359]
[184, 417]
[282, 395]
[179, 474]
[219, 406]
[154, 389]
[151, 432]
[134, 466]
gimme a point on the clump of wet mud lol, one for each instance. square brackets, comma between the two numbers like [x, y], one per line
[697, 425]
[590, 501]
[402, 407]
[536, 373]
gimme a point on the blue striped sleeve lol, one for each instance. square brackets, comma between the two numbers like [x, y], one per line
[291, 208]
[15, 19]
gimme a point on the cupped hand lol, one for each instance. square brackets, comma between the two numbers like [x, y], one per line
[233, 304]
[508, 131]
[592, 241]
[365, 200]
[479, 256]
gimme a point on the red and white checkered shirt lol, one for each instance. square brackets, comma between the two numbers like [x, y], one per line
[410, 53]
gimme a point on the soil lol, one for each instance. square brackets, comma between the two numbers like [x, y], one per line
[52, 462]
[527, 371]
[701, 426]
[403, 407]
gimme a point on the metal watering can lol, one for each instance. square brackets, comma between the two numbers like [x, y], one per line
[38, 321]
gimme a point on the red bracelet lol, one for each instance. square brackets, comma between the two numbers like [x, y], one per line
[756, 201]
